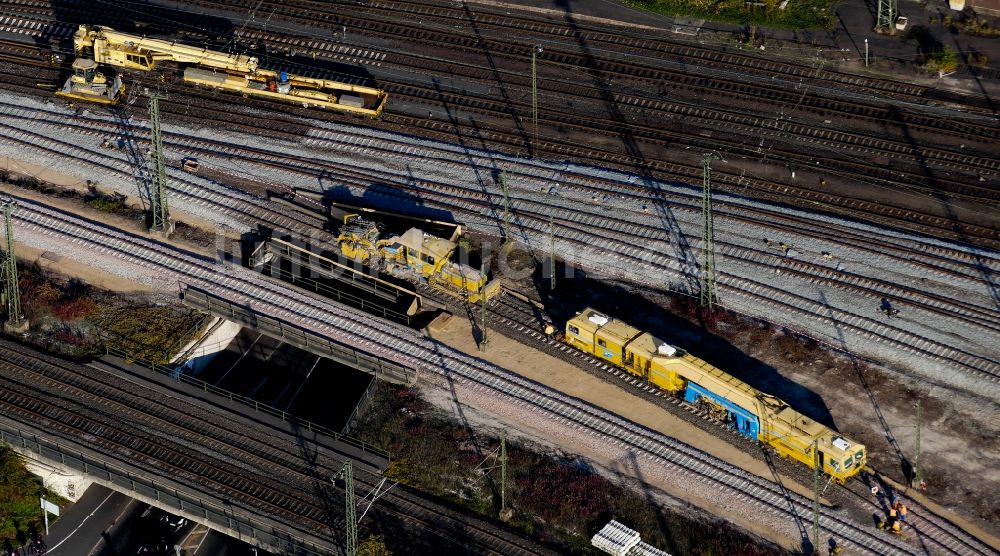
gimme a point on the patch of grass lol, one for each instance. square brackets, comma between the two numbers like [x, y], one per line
[973, 25]
[19, 492]
[942, 60]
[797, 14]
[113, 203]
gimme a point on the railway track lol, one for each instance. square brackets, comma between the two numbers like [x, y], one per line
[754, 83]
[890, 178]
[439, 360]
[141, 422]
[520, 320]
[585, 227]
[395, 147]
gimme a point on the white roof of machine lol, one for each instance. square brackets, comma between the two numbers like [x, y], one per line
[839, 442]
[643, 549]
[666, 349]
[599, 320]
[614, 538]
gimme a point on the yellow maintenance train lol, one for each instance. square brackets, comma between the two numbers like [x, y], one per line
[752, 413]
[236, 73]
[415, 254]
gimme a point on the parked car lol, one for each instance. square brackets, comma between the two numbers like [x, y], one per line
[173, 522]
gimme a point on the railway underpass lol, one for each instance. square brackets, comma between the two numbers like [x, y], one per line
[89, 456]
[379, 367]
[254, 475]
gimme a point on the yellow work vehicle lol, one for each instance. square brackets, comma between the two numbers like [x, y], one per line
[237, 73]
[90, 85]
[414, 254]
[744, 409]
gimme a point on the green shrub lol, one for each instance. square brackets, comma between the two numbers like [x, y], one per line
[373, 546]
[105, 204]
[19, 492]
[943, 60]
[798, 14]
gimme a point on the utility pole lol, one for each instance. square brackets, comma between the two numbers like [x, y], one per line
[708, 296]
[350, 507]
[506, 205]
[535, 51]
[917, 479]
[503, 473]
[162, 225]
[16, 323]
[552, 253]
[484, 342]
[886, 21]
[816, 466]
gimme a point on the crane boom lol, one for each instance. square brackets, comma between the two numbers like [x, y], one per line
[207, 68]
[135, 52]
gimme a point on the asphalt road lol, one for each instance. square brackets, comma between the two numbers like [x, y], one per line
[83, 527]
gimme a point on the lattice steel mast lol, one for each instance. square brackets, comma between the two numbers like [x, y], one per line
[535, 51]
[503, 472]
[552, 253]
[886, 16]
[350, 509]
[161, 213]
[502, 177]
[708, 296]
[484, 341]
[917, 479]
[817, 463]
[16, 323]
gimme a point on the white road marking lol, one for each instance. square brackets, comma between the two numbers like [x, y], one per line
[71, 533]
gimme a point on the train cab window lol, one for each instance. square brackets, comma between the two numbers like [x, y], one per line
[139, 60]
[602, 343]
[836, 466]
[573, 330]
[411, 253]
[427, 258]
[88, 74]
[848, 463]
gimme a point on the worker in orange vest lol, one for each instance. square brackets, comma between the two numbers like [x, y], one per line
[892, 524]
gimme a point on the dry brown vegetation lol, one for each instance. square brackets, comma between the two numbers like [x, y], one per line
[70, 318]
[559, 500]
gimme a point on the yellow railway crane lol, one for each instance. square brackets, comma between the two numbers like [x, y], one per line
[237, 73]
[417, 254]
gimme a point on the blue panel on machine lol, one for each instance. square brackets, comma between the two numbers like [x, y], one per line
[744, 421]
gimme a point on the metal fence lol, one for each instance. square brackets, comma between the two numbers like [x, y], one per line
[377, 309]
[360, 406]
[176, 374]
